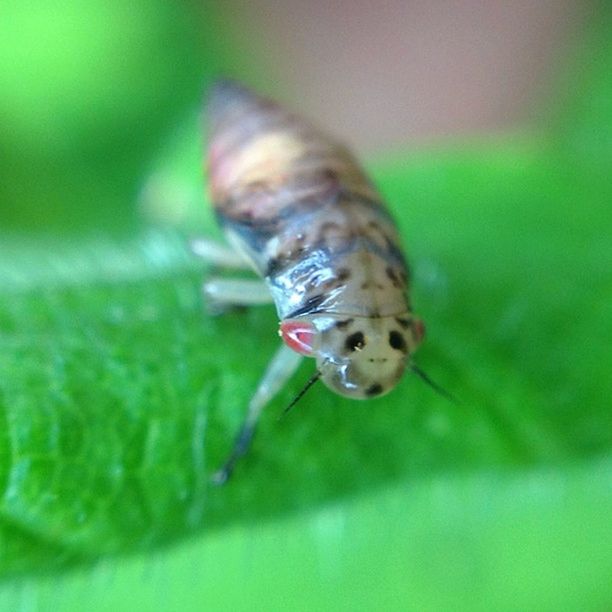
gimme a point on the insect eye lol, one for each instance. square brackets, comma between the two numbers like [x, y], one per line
[298, 336]
[355, 342]
[397, 342]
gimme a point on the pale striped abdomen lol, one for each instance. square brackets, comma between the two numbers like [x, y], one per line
[299, 207]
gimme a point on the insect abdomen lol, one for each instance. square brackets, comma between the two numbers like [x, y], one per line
[299, 206]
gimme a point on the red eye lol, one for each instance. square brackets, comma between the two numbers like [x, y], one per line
[298, 336]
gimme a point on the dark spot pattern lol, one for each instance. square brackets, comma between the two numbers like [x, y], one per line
[397, 341]
[371, 285]
[344, 324]
[343, 274]
[375, 389]
[405, 323]
[330, 174]
[394, 277]
[355, 341]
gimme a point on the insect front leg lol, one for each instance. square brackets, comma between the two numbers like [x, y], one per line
[217, 254]
[224, 293]
[283, 365]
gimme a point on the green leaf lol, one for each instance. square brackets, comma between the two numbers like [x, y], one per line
[119, 395]
[535, 539]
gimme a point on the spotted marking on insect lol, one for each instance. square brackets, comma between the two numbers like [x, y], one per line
[301, 211]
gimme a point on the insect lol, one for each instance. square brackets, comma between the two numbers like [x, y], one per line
[298, 209]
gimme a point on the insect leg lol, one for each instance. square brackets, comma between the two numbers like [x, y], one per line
[218, 254]
[284, 363]
[223, 293]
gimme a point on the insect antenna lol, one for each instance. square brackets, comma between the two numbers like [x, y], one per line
[435, 386]
[311, 381]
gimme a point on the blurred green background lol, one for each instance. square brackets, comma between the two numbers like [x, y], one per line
[116, 400]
